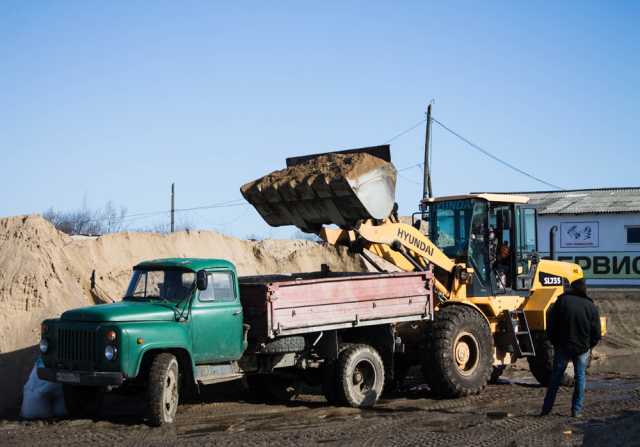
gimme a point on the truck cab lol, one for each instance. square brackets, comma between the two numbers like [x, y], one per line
[189, 309]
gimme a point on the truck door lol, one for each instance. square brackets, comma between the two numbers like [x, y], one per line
[216, 318]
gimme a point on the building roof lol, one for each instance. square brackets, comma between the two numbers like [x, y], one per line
[585, 201]
[491, 197]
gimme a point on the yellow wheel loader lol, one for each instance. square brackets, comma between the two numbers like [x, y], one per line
[493, 289]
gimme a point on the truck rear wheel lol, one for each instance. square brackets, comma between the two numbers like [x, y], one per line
[163, 389]
[459, 352]
[360, 375]
[82, 401]
[541, 366]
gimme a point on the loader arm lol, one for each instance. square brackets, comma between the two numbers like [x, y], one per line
[400, 244]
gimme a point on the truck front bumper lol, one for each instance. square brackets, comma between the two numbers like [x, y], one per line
[86, 378]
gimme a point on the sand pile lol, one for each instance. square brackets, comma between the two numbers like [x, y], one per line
[44, 272]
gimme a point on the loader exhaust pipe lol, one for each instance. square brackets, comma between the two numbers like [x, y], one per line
[552, 242]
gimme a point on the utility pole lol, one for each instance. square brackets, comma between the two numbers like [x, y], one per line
[426, 191]
[173, 205]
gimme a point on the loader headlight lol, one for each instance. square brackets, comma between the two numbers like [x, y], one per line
[44, 345]
[110, 352]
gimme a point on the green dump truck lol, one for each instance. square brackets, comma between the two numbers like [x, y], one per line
[184, 323]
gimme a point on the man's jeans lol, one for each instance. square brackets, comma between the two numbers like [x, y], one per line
[560, 361]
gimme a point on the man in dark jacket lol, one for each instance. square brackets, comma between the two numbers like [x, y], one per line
[573, 329]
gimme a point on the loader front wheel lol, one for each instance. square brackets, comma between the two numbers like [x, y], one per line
[459, 352]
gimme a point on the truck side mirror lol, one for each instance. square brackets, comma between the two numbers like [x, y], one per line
[202, 280]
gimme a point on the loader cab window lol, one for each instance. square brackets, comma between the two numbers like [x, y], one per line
[459, 229]
[449, 224]
[526, 246]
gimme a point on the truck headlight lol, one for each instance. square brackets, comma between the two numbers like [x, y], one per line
[44, 345]
[110, 352]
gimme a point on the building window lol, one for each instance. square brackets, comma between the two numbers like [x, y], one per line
[633, 235]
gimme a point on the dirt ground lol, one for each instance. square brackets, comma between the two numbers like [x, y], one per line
[505, 414]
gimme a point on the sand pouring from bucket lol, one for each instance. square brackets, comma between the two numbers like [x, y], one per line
[340, 188]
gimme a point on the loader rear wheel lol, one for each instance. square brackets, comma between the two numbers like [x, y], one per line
[360, 376]
[541, 366]
[459, 352]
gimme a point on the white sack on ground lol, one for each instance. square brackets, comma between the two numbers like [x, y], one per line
[41, 399]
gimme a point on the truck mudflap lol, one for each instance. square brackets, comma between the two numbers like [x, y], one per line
[84, 378]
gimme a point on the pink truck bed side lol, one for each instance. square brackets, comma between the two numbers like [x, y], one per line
[295, 306]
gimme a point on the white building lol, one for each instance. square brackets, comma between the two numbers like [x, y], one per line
[597, 228]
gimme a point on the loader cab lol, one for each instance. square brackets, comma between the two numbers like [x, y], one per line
[494, 234]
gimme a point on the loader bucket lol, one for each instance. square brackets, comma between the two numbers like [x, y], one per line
[340, 188]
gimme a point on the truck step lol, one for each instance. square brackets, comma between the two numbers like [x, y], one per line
[209, 374]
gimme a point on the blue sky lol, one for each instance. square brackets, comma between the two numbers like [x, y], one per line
[115, 100]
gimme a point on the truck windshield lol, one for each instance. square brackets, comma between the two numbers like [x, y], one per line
[172, 285]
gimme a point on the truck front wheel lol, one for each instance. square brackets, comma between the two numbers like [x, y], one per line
[163, 389]
[82, 401]
[360, 375]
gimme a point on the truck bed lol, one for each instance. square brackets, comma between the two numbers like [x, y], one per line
[280, 305]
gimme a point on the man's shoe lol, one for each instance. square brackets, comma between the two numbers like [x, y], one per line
[576, 415]
[545, 412]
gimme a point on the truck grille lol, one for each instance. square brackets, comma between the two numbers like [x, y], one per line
[76, 344]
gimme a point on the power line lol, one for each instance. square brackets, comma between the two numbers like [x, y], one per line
[494, 157]
[417, 165]
[137, 216]
[406, 131]
[404, 177]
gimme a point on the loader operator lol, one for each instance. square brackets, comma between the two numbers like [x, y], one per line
[502, 266]
[500, 258]
[573, 329]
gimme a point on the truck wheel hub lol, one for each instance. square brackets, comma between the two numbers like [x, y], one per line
[466, 353]
[170, 393]
[363, 378]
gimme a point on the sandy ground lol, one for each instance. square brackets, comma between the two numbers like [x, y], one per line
[505, 414]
